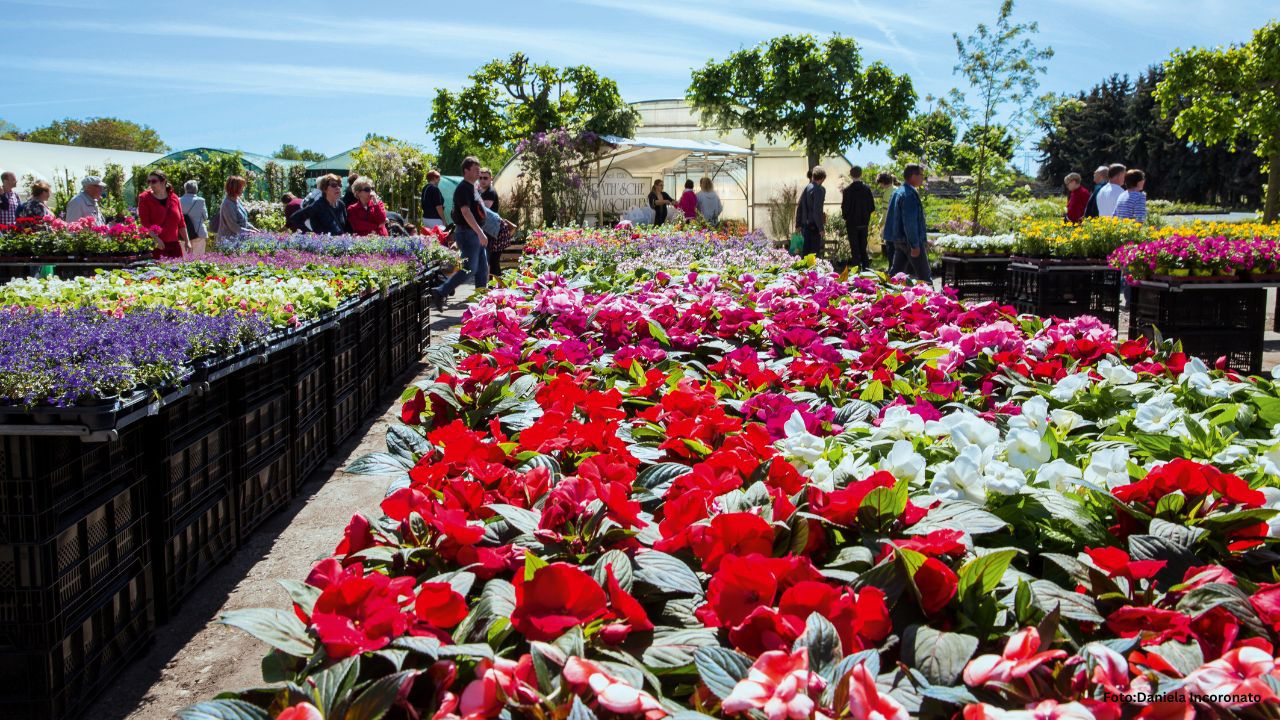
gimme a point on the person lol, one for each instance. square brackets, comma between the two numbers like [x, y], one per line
[468, 214]
[811, 217]
[1099, 182]
[291, 205]
[196, 212]
[857, 203]
[1110, 193]
[86, 203]
[9, 200]
[709, 206]
[160, 212]
[233, 219]
[904, 227]
[659, 201]
[498, 240]
[1078, 197]
[432, 201]
[349, 197]
[886, 183]
[1133, 201]
[689, 201]
[37, 205]
[327, 215]
[367, 215]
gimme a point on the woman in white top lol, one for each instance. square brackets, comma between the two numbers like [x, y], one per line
[709, 206]
[194, 208]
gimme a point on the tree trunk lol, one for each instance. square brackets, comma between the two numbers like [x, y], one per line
[977, 190]
[549, 210]
[812, 159]
[1273, 189]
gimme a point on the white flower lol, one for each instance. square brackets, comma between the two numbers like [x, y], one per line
[1003, 478]
[898, 423]
[821, 475]
[1034, 415]
[1207, 386]
[1269, 461]
[1275, 373]
[973, 474]
[1108, 468]
[904, 462]
[1067, 419]
[1026, 449]
[1232, 454]
[1116, 374]
[1158, 414]
[1271, 501]
[1059, 475]
[964, 429]
[1068, 386]
[800, 443]
[853, 467]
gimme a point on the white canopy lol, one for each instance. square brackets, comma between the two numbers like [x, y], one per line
[47, 162]
[656, 155]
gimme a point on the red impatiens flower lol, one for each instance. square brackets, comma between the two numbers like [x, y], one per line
[1021, 656]
[937, 584]
[498, 681]
[560, 596]
[841, 506]
[360, 613]
[1117, 563]
[438, 607]
[780, 684]
[1194, 480]
[731, 534]
[628, 614]
[301, 711]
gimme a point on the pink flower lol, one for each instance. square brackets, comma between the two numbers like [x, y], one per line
[778, 683]
[1044, 710]
[301, 711]
[865, 700]
[497, 681]
[1019, 659]
[613, 694]
[1240, 672]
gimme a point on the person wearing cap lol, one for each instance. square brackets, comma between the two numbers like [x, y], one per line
[86, 203]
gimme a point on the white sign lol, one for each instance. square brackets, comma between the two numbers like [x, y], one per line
[617, 193]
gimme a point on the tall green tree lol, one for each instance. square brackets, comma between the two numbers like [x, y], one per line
[516, 99]
[1225, 94]
[100, 132]
[819, 96]
[1003, 66]
[293, 152]
[9, 131]
[929, 137]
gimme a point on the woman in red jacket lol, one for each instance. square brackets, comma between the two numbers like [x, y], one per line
[160, 212]
[367, 215]
[1077, 198]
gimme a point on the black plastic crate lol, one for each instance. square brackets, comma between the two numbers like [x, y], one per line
[192, 414]
[310, 393]
[1065, 292]
[57, 680]
[44, 481]
[401, 355]
[261, 381]
[345, 368]
[262, 491]
[369, 318]
[46, 586]
[187, 553]
[1198, 310]
[976, 279]
[346, 415]
[310, 447]
[370, 385]
[262, 431]
[192, 473]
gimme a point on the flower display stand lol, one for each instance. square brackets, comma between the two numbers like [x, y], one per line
[1064, 289]
[976, 277]
[1212, 320]
[66, 266]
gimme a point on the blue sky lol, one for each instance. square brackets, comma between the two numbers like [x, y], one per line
[320, 74]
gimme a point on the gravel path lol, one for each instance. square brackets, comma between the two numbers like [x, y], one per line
[193, 657]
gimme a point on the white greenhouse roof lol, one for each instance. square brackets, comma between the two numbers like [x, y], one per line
[46, 162]
[653, 155]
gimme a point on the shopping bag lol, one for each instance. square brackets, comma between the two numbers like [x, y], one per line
[797, 244]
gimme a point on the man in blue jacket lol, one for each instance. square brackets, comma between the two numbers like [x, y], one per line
[904, 227]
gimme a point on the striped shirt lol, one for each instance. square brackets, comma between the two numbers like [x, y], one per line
[1132, 205]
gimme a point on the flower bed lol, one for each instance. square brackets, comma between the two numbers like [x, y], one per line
[1182, 258]
[716, 494]
[426, 250]
[53, 238]
[997, 245]
[1093, 239]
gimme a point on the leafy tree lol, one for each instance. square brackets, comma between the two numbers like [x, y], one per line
[1003, 66]
[1224, 94]
[9, 131]
[929, 137]
[100, 132]
[516, 99]
[398, 170]
[819, 96]
[293, 152]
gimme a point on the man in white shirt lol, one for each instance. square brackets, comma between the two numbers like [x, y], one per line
[86, 203]
[1109, 196]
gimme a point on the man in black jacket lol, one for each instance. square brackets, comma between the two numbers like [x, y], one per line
[856, 205]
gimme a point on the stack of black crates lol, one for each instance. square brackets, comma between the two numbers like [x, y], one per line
[976, 279]
[101, 539]
[1062, 290]
[1210, 321]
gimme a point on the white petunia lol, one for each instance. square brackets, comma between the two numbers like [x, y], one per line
[1027, 449]
[904, 462]
[1269, 461]
[1116, 374]
[1109, 468]
[1067, 387]
[1158, 414]
[1231, 455]
[1034, 415]
[1067, 420]
[898, 423]
[800, 444]
[1271, 501]
[853, 467]
[1003, 478]
[964, 429]
[1059, 475]
[961, 479]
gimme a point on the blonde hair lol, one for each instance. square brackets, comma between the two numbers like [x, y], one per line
[705, 184]
[40, 187]
[328, 181]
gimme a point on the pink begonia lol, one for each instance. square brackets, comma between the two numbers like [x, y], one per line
[1239, 674]
[866, 702]
[613, 694]
[1020, 657]
[778, 683]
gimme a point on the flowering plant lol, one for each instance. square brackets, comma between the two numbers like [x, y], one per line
[976, 244]
[425, 250]
[783, 493]
[1198, 256]
[51, 236]
[1096, 237]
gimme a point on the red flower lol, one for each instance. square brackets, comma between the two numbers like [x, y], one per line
[731, 534]
[301, 711]
[411, 410]
[1021, 656]
[739, 587]
[625, 609]
[356, 537]
[439, 605]
[766, 630]
[934, 544]
[496, 682]
[1116, 563]
[841, 506]
[360, 613]
[937, 585]
[559, 596]
[1266, 602]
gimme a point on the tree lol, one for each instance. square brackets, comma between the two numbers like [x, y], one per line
[819, 96]
[928, 137]
[293, 152]
[515, 99]
[9, 131]
[1003, 66]
[398, 170]
[101, 132]
[1224, 94]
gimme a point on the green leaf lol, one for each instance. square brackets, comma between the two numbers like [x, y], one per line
[280, 629]
[1268, 409]
[982, 574]
[667, 573]
[720, 669]
[958, 515]
[886, 502]
[823, 643]
[379, 463]
[332, 684]
[940, 656]
[467, 650]
[656, 331]
[301, 593]
[222, 710]
[428, 646]
[532, 564]
[675, 648]
[661, 475]
[525, 521]
[578, 711]
[1171, 504]
[1184, 657]
[1074, 605]
[538, 460]
[405, 442]
[873, 392]
[379, 696]
[622, 569]
[912, 561]
[1230, 597]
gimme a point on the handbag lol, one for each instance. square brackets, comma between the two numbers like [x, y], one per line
[797, 244]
